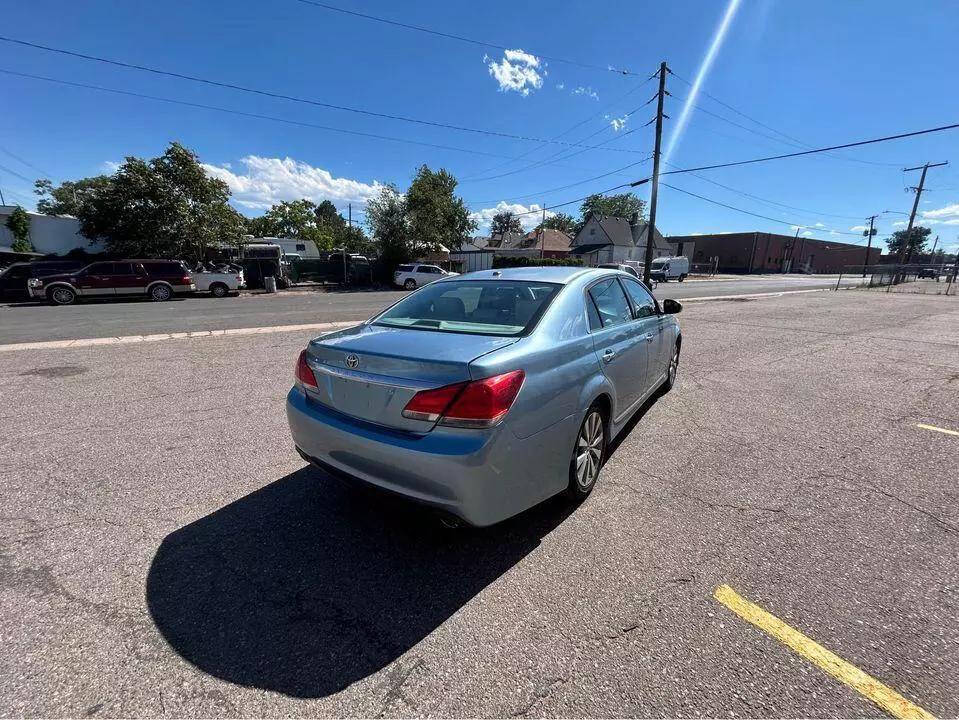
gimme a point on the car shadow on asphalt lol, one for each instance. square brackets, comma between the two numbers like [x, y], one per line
[308, 585]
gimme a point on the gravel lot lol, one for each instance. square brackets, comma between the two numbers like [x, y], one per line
[165, 552]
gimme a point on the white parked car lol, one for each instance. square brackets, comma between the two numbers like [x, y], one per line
[416, 275]
[219, 284]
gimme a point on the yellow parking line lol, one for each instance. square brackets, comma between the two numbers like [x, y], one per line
[886, 698]
[937, 429]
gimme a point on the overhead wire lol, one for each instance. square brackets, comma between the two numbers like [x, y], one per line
[291, 98]
[462, 38]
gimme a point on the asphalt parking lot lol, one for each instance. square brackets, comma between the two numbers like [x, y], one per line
[165, 551]
[23, 322]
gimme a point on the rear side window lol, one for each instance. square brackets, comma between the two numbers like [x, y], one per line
[122, 268]
[483, 307]
[162, 269]
[642, 300]
[594, 322]
[404, 268]
[301, 247]
[610, 302]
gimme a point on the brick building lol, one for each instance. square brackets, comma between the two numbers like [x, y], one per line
[759, 252]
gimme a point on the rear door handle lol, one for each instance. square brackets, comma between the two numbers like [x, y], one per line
[649, 337]
[608, 354]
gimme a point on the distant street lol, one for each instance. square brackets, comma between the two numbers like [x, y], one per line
[38, 322]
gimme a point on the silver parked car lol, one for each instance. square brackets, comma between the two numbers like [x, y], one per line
[484, 394]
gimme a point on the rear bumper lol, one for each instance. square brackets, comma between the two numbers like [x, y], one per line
[480, 476]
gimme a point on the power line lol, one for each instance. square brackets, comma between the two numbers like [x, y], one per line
[15, 174]
[764, 217]
[258, 116]
[562, 187]
[766, 200]
[789, 138]
[294, 98]
[460, 38]
[602, 111]
[817, 150]
[24, 162]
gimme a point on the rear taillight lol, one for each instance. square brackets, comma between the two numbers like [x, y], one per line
[304, 374]
[186, 279]
[478, 404]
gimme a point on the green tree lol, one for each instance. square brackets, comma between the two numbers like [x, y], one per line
[70, 197]
[505, 222]
[164, 207]
[19, 225]
[622, 205]
[560, 221]
[916, 241]
[386, 218]
[435, 216]
[288, 219]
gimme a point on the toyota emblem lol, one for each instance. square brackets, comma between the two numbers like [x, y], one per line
[352, 361]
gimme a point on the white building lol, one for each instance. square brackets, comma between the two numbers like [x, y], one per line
[49, 234]
[608, 239]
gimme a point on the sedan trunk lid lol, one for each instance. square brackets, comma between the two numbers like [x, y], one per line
[371, 372]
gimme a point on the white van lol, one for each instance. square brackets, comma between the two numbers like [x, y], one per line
[665, 269]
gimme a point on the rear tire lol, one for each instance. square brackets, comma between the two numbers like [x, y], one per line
[219, 290]
[589, 454]
[410, 284]
[61, 296]
[672, 370]
[681, 278]
[161, 293]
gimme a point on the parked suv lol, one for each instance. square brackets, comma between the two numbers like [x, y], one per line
[157, 279]
[13, 279]
[414, 275]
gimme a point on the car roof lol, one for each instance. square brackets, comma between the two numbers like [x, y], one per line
[554, 274]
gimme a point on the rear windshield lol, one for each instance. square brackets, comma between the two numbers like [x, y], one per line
[482, 307]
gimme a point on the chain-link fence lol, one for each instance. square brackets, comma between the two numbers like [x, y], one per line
[913, 278]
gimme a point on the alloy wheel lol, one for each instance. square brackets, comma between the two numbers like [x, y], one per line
[589, 450]
[62, 296]
[673, 366]
[160, 293]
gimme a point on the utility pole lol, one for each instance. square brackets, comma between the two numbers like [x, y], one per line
[915, 206]
[932, 255]
[542, 235]
[654, 192]
[349, 207]
[871, 231]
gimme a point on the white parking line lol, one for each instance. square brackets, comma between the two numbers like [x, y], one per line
[131, 339]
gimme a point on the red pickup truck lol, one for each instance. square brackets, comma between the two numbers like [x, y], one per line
[157, 279]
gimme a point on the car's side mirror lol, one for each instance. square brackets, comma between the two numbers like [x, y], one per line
[671, 307]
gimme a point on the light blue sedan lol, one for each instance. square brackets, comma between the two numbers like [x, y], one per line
[485, 394]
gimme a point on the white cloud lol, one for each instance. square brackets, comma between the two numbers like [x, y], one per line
[819, 225]
[266, 181]
[946, 212]
[619, 123]
[858, 228]
[109, 166]
[518, 71]
[560, 86]
[899, 223]
[587, 91]
[806, 233]
[485, 216]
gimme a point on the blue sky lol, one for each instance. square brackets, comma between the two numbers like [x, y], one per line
[820, 72]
